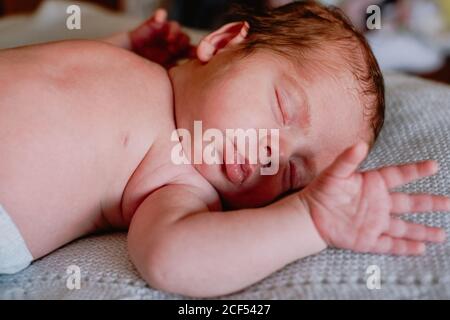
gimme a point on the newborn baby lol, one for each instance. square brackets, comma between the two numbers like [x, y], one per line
[87, 145]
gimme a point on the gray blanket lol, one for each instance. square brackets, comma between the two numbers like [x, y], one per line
[417, 127]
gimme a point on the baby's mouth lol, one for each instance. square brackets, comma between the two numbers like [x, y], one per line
[237, 172]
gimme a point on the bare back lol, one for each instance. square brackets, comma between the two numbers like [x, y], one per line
[76, 120]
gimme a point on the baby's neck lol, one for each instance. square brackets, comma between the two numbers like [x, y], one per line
[179, 79]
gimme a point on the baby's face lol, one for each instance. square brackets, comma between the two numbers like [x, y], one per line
[316, 114]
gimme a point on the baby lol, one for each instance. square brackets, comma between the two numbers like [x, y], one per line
[87, 145]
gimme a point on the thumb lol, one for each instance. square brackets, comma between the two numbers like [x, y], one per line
[348, 161]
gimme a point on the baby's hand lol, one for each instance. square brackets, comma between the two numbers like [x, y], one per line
[352, 210]
[161, 41]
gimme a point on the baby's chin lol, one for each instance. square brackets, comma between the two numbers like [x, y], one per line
[242, 201]
[215, 176]
[235, 196]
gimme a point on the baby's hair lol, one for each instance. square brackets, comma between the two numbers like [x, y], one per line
[300, 29]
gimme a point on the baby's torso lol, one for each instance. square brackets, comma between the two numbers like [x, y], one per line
[83, 130]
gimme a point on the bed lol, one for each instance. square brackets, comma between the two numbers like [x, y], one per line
[417, 128]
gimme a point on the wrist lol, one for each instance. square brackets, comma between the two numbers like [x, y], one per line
[303, 209]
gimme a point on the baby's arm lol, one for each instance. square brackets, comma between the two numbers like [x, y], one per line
[179, 246]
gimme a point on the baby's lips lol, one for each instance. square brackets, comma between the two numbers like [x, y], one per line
[441, 236]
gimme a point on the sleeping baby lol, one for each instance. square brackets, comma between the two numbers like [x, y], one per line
[94, 137]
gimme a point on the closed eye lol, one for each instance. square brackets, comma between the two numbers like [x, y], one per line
[280, 104]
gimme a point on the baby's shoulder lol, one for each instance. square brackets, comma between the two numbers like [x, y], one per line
[88, 62]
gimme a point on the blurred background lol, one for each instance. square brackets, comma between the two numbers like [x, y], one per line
[414, 35]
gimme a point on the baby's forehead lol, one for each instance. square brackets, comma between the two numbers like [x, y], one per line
[321, 74]
[335, 91]
[307, 65]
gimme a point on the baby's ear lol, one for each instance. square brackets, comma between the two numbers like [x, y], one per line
[229, 35]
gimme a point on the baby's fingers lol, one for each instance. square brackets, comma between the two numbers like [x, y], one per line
[173, 32]
[160, 16]
[347, 163]
[396, 176]
[403, 203]
[399, 247]
[153, 28]
[413, 231]
[147, 34]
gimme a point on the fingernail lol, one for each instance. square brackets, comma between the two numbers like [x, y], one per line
[422, 248]
[442, 236]
[436, 166]
[160, 15]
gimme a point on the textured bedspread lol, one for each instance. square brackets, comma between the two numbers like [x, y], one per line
[417, 127]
